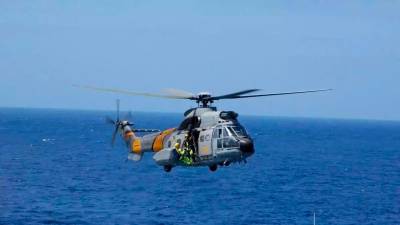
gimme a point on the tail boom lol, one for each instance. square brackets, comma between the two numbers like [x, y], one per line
[153, 142]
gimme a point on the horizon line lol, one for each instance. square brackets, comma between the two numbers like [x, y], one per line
[170, 112]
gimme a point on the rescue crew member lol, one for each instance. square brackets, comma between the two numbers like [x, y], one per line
[185, 155]
[189, 146]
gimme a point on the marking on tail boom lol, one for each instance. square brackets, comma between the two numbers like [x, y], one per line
[137, 146]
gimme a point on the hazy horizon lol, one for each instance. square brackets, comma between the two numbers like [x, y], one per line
[112, 113]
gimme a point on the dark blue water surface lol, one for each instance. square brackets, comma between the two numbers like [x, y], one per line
[57, 167]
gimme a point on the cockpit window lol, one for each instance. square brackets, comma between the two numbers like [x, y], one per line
[238, 131]
[226, 138]
[219, 133]
[226, 134]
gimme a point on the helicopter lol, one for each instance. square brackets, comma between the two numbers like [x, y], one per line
[216, 138]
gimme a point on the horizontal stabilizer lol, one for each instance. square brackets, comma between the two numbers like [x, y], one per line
[135, 157]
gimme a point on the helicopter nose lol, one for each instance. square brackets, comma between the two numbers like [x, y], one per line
[246, 145]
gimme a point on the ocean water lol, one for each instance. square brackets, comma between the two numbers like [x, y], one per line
[57, 167]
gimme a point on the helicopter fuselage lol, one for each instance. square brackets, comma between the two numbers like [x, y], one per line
[219, 139]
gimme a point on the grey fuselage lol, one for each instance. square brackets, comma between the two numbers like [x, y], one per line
[218, 138]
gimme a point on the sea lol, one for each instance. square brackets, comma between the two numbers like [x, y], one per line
[58, 167]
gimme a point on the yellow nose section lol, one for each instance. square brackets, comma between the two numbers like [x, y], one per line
[136, 146]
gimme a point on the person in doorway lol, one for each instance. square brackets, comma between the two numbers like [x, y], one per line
[185, 154]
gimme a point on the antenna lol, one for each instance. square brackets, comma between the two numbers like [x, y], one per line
[118, 103]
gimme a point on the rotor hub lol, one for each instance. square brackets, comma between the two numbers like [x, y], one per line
[204, 94]
[204, 98]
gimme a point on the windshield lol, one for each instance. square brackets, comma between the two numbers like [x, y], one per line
[225, 138]
[238, 131]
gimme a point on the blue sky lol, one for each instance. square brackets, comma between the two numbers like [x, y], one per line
[218, 46]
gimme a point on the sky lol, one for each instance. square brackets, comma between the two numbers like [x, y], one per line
[216, 46]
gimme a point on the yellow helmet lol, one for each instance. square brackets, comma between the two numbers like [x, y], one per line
[176, 145]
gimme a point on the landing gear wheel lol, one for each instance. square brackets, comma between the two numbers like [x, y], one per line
[227, 163]
[167, 168]
[213, 168]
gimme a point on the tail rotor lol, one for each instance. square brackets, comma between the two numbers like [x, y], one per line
[117, 123]
[120, 124]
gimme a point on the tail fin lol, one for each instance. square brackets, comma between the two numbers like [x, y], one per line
[127, 132]
[133, 142]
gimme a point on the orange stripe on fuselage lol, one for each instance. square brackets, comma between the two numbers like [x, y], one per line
[159, 140]
[136, 146]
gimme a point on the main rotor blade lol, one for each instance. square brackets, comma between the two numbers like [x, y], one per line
[180, 93]
[233, 95]
[276, 94]
[133, 93]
